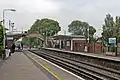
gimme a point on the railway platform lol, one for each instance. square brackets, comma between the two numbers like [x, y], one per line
[19, 67]
[1, 61]
[97, 55]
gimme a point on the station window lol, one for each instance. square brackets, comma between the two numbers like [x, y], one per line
[68, 43]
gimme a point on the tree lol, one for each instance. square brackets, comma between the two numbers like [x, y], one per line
[46, 27]
[108, 27]
[81, 28]
[92, 30]
[117, 27]
[108, 30]
[77, 27]
[111, 29]
[49, 27]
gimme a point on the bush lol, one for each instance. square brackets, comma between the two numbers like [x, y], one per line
[1, 50]
[1, 39]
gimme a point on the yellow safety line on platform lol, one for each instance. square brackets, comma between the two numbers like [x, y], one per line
[47, 69]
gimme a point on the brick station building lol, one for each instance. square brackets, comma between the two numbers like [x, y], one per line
[76, 43]
[70, 42]
[96, 47]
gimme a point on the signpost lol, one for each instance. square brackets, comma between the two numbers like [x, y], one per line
[113, 43]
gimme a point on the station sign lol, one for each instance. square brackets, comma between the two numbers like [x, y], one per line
[9, 38]
[112, 40]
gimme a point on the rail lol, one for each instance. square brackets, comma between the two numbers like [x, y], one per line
[83, 69]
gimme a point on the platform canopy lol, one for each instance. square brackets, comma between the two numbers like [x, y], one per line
[39, 36]
[62, 37]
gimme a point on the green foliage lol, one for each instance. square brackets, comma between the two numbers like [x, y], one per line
[45, 27]
[111, 28]
[92, 30]
[1, 38]
[25, 41]
[117, 27]
[81, 28]
[77, 27]
[108, 27]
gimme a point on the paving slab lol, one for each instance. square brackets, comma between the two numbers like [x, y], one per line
[61, 73]
[19, 67]
[1, 61]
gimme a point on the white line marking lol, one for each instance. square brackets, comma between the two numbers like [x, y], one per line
[59, 67]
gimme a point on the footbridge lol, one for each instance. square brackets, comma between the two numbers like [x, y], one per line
[14, 36]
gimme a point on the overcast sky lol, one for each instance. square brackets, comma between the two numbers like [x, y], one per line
[64, 11]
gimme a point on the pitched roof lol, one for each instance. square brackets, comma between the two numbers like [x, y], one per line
[67, 36]
[35, 36]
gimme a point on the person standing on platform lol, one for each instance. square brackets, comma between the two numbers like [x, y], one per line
[7, 52]
[18, 46]
[13, 48]
[21, 45]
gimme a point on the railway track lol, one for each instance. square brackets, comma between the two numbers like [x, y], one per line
[85, 70]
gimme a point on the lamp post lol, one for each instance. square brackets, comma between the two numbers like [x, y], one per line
[4, 55]
[88, 36]
[13, 10]
[88, 41]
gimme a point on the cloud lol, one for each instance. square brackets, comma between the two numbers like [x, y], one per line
[39, 5]
[64, 11]
[31, 5]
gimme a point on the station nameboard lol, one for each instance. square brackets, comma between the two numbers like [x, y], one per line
[112, 40]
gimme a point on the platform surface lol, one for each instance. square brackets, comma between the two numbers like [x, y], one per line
[97, 55]
[19, 67]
